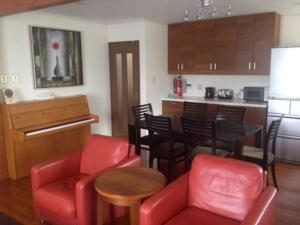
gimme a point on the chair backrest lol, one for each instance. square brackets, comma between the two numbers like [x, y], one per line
[194, 110]
[270, 140]
[159, 124]
[198, 130]
[139, 111]
[226, 187]
[101, 152]
[230, 118]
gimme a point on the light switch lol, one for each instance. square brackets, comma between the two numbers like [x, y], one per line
[3, 79]
[15, 78]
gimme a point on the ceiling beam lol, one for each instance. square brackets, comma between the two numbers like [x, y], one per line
[8, 7]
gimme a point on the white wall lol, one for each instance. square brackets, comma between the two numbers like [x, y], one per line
[158, 82]
[18, 60]
[290, 31]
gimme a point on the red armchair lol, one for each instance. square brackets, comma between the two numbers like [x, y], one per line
[63, 191]
[217, 191]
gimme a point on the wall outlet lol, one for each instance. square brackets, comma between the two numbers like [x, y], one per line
[15, 78]
[3, 78]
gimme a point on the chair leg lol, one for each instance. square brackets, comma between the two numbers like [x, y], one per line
[158, 164]
[274, 175]
[170, 170]
[151, 158]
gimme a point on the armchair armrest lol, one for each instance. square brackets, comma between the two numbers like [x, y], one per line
[263, 210]
[86, 194]
[165, 204]
[48, 172]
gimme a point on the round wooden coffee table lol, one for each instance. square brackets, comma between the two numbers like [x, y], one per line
[127, 187]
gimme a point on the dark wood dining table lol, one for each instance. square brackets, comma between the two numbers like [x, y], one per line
[239, 138]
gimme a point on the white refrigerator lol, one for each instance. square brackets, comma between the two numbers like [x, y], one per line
[284, 101]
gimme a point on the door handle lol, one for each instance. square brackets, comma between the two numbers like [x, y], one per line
[181, 66]
[178, 67]
[215, 66]
[249, 66]
[254, 66]
[210, 66]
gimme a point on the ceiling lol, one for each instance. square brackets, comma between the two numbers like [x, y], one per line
[161, 11]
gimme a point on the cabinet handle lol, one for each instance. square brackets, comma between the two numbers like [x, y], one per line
[181, 66]
[249, 66]
[178, 67]
[210, 66]
[254, 66]
[215, 66]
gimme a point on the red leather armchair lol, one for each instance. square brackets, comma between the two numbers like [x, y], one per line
[63, 191]
[217, 191]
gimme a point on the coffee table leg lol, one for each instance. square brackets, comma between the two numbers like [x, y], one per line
[100, 214]
[135, 212]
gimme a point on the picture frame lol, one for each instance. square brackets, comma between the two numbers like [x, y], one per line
[57, 57]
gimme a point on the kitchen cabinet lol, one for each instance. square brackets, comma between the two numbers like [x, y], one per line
[225, 45]
[232, 45]
[254, 115]
[204, 41]
[182, 48]
[257, 34]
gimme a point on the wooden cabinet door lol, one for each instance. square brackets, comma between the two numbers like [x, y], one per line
[174, 48]
[205, 43]
[245, 44]
[266, 37]
[188, 48]
[225, 45]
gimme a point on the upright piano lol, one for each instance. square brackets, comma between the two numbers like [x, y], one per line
[42, 130]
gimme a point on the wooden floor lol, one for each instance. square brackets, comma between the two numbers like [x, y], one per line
[16, 200]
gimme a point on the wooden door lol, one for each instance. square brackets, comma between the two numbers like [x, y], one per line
[266, 37]
[245, 44]
[124, 83]
[205, 42]
[174, 47]
[225, 45]
[188, 47]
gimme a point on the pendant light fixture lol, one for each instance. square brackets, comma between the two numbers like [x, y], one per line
[209, 9]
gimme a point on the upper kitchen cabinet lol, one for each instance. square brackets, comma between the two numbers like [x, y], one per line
[182, 48]
[205, 58]
[257, 34]
[232, 45]
[225, 45]
[266, 37]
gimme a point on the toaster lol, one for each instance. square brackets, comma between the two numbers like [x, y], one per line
[225, 94]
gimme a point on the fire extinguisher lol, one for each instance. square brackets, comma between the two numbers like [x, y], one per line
[178, 86]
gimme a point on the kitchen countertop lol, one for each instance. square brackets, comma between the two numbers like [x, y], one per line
[231, 102]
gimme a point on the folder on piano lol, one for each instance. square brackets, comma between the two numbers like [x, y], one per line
[39, 131]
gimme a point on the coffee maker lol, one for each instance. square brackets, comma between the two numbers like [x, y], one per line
[210, 92]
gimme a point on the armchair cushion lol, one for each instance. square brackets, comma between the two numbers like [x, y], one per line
[59, 196]
[94, 159]
[193, 215]
[226, 187]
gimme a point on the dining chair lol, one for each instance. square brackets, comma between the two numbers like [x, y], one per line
[265, 157]
[230, 132]
[170, 149]
[142, 142]
[194, 110]
[200, 138]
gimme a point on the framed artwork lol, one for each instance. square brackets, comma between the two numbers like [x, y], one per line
[56, 57]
